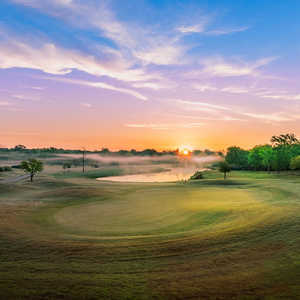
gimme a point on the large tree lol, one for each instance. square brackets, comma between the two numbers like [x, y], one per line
[32, 166]
[284, 140]
[224, 167]
[237, 157]
[284, 146]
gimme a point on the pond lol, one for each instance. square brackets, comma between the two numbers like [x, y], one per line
[166, 176]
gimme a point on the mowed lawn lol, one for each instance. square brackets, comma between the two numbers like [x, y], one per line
[78, 238]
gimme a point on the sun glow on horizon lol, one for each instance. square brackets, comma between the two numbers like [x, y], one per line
[185, 150]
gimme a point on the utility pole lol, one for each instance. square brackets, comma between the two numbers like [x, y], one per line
[83, 160]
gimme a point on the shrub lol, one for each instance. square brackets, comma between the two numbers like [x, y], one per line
[295, 163]
[197, 175]
[17, 167]
[5, 169]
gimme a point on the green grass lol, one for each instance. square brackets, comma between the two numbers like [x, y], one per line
[92, 174]
[71, 237]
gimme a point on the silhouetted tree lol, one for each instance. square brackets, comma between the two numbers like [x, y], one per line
[284, 140]
[32, 166]
[224, 167]
[20, 147]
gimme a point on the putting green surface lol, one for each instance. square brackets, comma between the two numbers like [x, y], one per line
[166, 210]
[78, 238]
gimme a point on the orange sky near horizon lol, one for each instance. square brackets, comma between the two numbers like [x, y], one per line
[217, 137]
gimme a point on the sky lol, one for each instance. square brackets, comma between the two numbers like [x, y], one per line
[148, 73]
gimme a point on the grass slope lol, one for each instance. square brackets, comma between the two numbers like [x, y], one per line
[75, 238]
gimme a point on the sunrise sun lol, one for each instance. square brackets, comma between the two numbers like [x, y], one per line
[185, 150]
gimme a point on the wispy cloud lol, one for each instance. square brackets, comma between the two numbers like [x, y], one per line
[198, 28]
[275, 117]
[39, 88]
[85, 104]
[26, 97]
[161, 55]
[204, 87]
[5, 103]
[201, 105]
[220, 117]
[152, 85]
[225, 31]
[101, 85]
[55, 60]
[167, 126]
[279, 95]
[201, 28]
[37, 3]
[220, 68]
[227, 89]
[216, 113]
[265, 93]
[235, 90]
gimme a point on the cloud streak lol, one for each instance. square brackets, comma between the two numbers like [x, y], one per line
[220, 68]
[167, 126]
[5, 103]
[201, 105]
[226, 31]
[101, 85]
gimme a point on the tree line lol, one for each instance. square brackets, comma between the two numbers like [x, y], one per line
[282, 153]
[103, 151]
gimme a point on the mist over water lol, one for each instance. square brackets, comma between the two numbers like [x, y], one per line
[177, 168]
[164, 168]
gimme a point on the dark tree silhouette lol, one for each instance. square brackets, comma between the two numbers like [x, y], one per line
[32, 166]
[224, 167]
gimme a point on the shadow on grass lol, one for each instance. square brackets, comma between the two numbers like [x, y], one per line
[218, 182]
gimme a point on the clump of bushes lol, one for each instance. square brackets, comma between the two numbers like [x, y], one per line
[114, 163]
[295, 163]
[197, 175]
[76, 162]
[5, 169]
[66, 165]
[93, 174]
[16, 167]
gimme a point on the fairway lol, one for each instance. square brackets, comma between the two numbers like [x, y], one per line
[78, 238]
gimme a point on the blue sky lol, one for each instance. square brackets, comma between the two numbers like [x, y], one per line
[154, 73]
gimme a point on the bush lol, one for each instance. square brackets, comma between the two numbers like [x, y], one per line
[197, 175]
[93, 174]
[17, 167]
[295, 163]
[5, 169]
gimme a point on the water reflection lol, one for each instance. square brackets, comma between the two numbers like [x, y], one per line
[168, 176]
